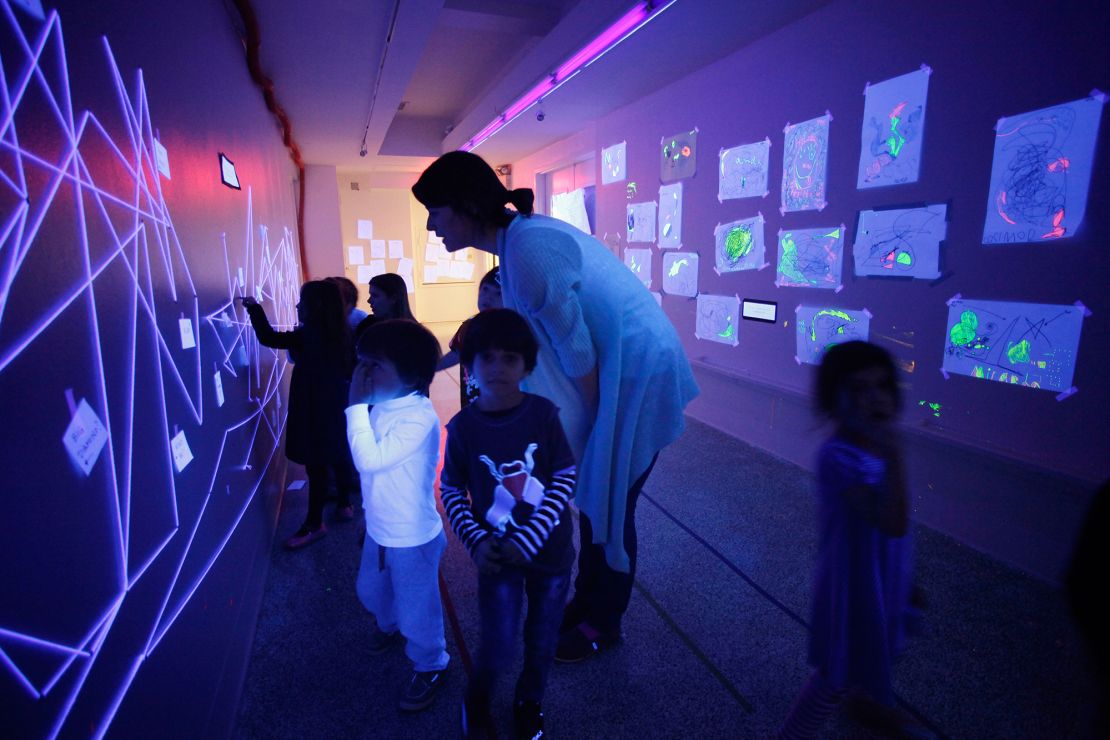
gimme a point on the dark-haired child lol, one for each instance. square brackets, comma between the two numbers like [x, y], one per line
[507, 476]
[862, 577]
[489, 296]
[395, 448]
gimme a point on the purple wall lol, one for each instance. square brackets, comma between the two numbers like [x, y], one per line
[989, 60]
[131, 590]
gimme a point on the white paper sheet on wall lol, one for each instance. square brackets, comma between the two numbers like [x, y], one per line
[396, 249]
[670, 216]
[404, 269]
[431, 274]
[641, 222]
[365, 228]
[613, 163]
[893, 129]
[571, 208]
[804, 160]
[739, 245]
[900, 242]
[680, 273]
[638, 260]
[377, 249]
[811, 258]
[1029, 344]
[1041, 172]
[743, 171]
[818, 328]
[718, 319]
[356, 255]
[434, 248]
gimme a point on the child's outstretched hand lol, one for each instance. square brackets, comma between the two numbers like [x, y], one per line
[487, 556]
[248, 301]
[511, 553]
[360, 386]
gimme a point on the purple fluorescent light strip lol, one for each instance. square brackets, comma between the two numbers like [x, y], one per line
[528, 99]
[624, 27]
[5, 660]
[607, 38]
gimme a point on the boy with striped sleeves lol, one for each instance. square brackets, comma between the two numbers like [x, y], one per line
[507, 475]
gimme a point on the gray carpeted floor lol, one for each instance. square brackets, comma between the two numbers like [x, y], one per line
[715, 636]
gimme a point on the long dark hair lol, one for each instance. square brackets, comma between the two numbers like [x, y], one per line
[393, 285]
[464, 182]
[326, 332]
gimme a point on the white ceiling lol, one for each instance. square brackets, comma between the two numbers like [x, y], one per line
[420, 77]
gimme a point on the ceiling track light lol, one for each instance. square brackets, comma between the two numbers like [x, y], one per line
[625, 26]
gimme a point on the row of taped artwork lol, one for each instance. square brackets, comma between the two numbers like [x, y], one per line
[1039, 182]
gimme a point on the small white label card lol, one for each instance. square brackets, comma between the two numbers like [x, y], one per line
[219, 381]
[242, 278]
[162, 159]
[187, 339]
[396, 249]
[182, 455]
[365, 228]
[85, 437]
[356, 254]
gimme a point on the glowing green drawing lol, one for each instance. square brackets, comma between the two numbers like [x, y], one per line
[729, 331]
[835, 234]
[788, 267]
[739, 243]
[934, 407]
[1018, 352]
[828, 312]
[977, 372]
[904, 258]
[676, 266]
[964, 333]
[896, 140]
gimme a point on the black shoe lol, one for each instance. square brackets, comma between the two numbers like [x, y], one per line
[574, 613]
[583, 642]
[529, 720]
[476, 720]
[422, 690]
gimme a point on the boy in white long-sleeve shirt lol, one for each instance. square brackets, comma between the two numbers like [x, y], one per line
[395, 446]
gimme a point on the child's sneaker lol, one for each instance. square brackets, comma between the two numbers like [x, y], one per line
[582, 642]
[422, 690]
[305, 536]
[529, 720]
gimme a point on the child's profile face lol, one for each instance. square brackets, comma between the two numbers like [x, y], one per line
[498, 373]
[868, 397]
[380, 303]
[382, 381]
[489, 296]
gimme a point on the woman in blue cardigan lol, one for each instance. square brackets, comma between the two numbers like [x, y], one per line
[609, 358]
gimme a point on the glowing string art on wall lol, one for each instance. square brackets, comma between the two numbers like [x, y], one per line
[1041, 172]
[1029, 344]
